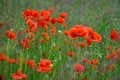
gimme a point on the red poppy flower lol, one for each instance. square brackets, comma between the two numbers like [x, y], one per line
[66, 32]
[70, 53]
[95, 37]
[113, 35]
[53, 30]
[86, 60]
[44, 66]
[108, 47]
[110, 67]
[10, 34]
[94, 62]
[30, 14]
[31, 64]
[78, 68]
[42, 40]
[60, 20]
[1, 77]
[30, 23]
[63, 15]
[25, 43]
[108, 56]
[51, 10]
[2, 57]
[73, 33]
[89, 41]
[10, 60]
[82, 44]
[45, 15]
[18, 61]
[18, 75]
[42, 23]
[82, 31]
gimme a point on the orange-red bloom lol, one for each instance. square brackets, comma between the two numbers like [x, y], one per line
[94, 62]
[108, 47]
[70, 53]
[110, 67]
[82, 31]
[18, 75]
[25, 43]
[78, 68]
[63, 15]
[18, 61]
[108, 56]
[44, 66]
[82, 44]
[113, 35]
[95, 37]
[31, 64]
[73, 33]
[30, 14]
[10, 34]
[2, 57]
[11, 60]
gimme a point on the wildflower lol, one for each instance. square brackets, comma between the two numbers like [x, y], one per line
[66, 32]
[67, 42]
[18, 75]
[94, 62]
[108, 56]
[1, 77]
[45, 15]
[108, 47]
[84, 79]
[86, 60]
[82, 44]
[44, 66]
[51, 10]
[70, 54]
[78, 68]
[113, 54]
[54, 20]
[30, 36]
[89, 41]
[63, 15]
[60, 20]
[25, 43]
[113, 35]
[31, 64]
[10, 60]
[10, 34]
[42, 40]
[44, 34]
[31, 23]
[2, 57]
[18, 61]
[53, 30]
[0, 34]
[42, 23]
[73, 33]
[1, 24]
[95, 37]
[110, 67]
[30, 14]
[82, 31]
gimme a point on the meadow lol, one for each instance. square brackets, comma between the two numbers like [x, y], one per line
[59, 40]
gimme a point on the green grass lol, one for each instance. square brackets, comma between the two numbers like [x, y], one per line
[101, 15]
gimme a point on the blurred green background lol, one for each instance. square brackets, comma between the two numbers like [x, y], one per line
[94, 13]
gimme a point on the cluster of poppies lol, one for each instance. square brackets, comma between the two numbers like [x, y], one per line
[44, 20]
[84, 32]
